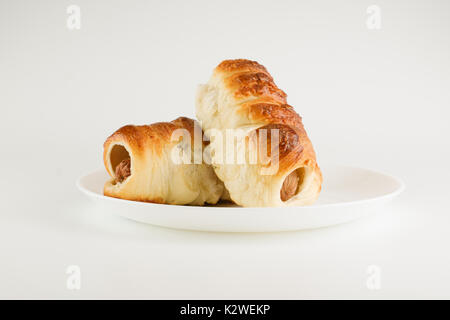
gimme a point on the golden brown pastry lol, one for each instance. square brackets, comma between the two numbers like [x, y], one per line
[242, 96]
[143, 164]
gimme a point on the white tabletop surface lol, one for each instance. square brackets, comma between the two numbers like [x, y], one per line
[372, 98]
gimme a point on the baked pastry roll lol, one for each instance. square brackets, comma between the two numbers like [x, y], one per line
[159, 163]
[241, 95]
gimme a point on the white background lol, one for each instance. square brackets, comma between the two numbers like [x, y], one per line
[372, 98]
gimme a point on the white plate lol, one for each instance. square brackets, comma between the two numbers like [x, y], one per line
[347, 194]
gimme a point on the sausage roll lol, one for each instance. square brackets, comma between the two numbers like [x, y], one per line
[158, 163]
[242, 96]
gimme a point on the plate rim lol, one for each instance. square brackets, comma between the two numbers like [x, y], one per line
[400, 188]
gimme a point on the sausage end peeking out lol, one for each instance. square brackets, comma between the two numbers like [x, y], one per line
[290, 186]
[123, 170]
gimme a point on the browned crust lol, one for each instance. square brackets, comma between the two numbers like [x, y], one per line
[154, 136]
[246, 79]
[158, 133]
[272, 113]
[289, 144]
[257, 84]
[241, 65]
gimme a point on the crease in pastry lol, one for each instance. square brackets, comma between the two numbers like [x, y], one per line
[242, 94]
